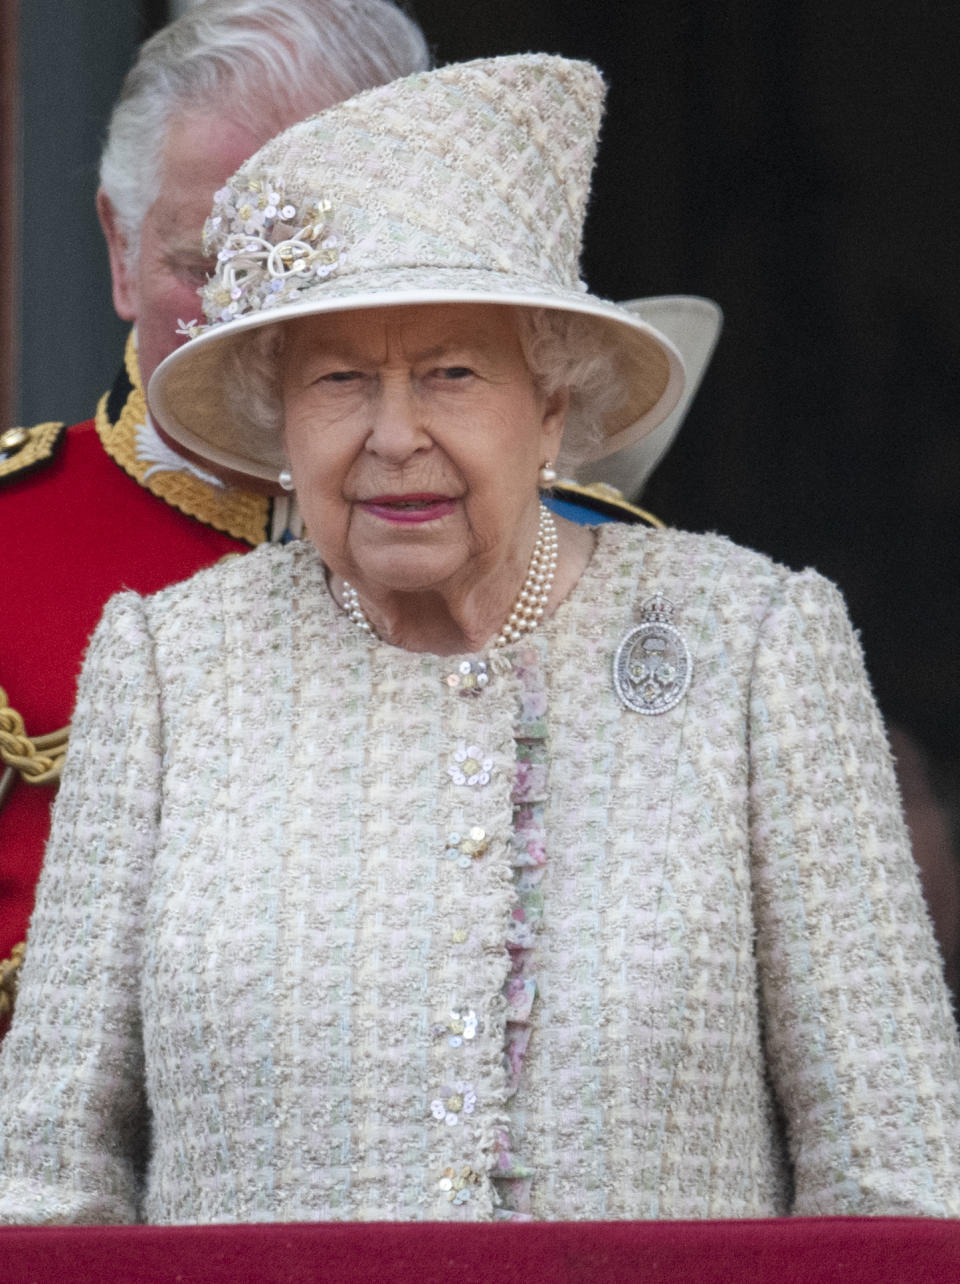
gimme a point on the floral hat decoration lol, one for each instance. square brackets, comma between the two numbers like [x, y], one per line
[468, 184]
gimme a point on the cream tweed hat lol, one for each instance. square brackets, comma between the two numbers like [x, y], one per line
[465, 184]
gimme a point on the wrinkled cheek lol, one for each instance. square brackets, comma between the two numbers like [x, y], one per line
[328, 522]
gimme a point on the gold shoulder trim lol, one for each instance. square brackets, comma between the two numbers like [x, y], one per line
[603, 498]
[240, 513]
[24, 449]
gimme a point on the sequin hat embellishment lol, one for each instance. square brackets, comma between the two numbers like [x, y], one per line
[270, 249]
[652, 666]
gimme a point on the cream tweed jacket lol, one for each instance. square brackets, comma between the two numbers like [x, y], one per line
[258, 923]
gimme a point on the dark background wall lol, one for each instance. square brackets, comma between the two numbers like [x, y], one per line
[798, 163]
[73, 57]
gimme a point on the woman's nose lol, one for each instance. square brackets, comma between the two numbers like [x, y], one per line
[398, 427]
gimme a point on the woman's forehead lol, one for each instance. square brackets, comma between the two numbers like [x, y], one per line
[419, 329]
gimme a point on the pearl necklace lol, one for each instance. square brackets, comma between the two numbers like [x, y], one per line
[527, 611]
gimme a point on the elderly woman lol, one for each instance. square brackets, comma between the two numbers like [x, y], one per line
[459, 862]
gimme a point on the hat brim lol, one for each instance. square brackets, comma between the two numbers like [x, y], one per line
[693, 324]
[187, 393]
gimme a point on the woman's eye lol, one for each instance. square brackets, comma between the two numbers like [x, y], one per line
[340, 376]
[454, 372]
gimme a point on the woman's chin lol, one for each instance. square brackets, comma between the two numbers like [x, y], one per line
[413, 571]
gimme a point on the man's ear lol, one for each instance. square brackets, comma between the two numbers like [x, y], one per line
[126, 295]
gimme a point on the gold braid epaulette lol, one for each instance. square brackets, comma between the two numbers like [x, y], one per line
[242, 514]
[38, 759]
[9, 970]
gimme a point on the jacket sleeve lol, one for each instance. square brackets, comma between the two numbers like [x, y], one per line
[861, 1044]
[72, 1114]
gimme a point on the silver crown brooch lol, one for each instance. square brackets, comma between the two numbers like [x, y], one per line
[652, 666]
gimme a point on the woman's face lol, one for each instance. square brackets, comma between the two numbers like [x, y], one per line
[415, 435]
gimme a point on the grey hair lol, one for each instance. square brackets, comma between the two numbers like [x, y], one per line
[563, 350]
[573, 351]
[262, 63]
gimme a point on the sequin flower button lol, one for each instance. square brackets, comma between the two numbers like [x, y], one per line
[455, 1100]
[456, 1186]
[470, 766]
[460, 1024]
[466, 848]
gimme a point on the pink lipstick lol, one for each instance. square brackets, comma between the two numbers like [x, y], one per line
[407, 509]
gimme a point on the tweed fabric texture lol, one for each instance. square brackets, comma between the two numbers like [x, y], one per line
[249, 934]
[464, 184]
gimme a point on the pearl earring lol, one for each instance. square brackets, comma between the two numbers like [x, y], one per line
[547, 476]
[285, 479]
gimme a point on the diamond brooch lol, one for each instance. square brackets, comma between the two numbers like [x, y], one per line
[652, 666]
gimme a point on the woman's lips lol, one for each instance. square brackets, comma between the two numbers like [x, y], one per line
[407, 509]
